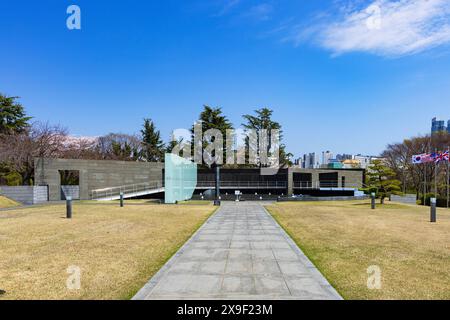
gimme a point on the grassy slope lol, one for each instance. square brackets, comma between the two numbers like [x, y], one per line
[344, 238]
[118, 250]
[7, 203]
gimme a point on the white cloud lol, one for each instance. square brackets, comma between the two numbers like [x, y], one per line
[260, 12]
[228, 6]
[384, 27]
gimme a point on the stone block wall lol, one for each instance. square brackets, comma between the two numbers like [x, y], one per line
[27, 195]
[70, 191]
[95, 174]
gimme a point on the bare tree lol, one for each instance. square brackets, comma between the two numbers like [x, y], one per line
[413, 176]
[119, 146]
[40, 140]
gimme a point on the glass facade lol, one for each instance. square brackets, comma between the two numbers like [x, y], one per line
[180, 178]
[438, 125]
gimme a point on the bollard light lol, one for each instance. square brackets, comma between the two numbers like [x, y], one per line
[69, 207]
[121, 199]
[433, 210]
[372, 196]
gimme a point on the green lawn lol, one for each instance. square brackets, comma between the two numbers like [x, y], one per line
[117, 249]
[343, 239]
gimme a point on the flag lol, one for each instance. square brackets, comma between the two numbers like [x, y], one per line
[422, 158]
[441, 157]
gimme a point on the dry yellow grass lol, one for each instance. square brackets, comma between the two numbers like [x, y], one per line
[7, 203]
[344, 238]
[116, 249]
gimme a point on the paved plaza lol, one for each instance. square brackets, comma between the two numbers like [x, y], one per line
[239, 253]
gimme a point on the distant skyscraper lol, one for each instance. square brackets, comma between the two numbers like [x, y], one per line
[326, 156]
[448, 126]
[438, 125]
[299, 162]
[342, 157]
[310, 161]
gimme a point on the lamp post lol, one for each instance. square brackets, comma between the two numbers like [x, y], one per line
[433, 210]
[217, 200]
[69, 207]
[372, 197]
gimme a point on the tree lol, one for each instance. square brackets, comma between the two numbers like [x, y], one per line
[381, 180]
[153, 148]
[173, 143]
[8, 176]
[12, 116]
[212, 118]
[398, 157]
[87, 148]
[263, 120]
[119, 146]
[40, 140]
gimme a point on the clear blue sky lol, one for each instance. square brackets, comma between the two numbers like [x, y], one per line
[333, 84]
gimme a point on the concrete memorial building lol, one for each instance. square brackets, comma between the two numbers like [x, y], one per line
[106, 180]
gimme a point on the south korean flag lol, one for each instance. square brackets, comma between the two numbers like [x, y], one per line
[420, 158]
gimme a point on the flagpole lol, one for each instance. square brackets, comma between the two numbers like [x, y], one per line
[424, 183]
[448, 177]
[435, 175]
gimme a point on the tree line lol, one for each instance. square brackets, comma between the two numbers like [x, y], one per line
[22, 140]
[419, 179]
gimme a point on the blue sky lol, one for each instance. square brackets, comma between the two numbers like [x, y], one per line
[337, 76]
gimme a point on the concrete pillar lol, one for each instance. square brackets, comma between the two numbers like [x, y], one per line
[340, 175]
[53, 179]
[315, 179]
[290, 182]
[84, 185]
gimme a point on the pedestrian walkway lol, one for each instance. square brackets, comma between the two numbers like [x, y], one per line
[239, 253]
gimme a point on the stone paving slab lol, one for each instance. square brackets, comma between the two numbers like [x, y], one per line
[239, 253]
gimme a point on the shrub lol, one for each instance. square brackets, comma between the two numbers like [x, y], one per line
[440, 202]
[13, 179]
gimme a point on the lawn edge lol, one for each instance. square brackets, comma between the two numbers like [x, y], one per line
[140, 292]
[306, 252]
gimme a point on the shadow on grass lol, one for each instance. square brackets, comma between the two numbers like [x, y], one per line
[382, 206]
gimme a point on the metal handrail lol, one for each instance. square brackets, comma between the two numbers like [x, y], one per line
[241, 184]
[325, 184]
[116, 191]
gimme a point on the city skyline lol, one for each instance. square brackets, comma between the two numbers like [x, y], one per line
[166, 60]
[439, 125]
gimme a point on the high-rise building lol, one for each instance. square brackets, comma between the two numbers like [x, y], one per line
[310, 161]
[342, 157]
[326, 156]
[448, 126]
[299, 162]
[438, 125]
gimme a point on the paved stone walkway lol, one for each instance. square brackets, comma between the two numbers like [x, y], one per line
[239, 253]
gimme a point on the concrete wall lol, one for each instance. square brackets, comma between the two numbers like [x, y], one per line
[70, 191]
[407, 198]
[26, 194]
[353, 177]
[95, 174]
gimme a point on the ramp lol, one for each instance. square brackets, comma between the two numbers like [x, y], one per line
[129, 191]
